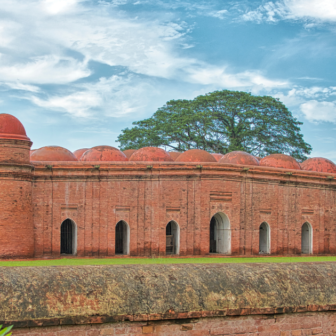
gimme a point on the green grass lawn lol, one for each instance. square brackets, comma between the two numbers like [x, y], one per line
[138, 261]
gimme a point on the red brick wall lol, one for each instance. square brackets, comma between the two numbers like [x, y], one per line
[16, 211]
[318, 323]
[17, 151]
[96, 200]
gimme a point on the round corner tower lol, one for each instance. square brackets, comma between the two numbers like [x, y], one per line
[16, 211]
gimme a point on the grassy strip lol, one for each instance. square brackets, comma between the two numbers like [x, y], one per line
[142, 261]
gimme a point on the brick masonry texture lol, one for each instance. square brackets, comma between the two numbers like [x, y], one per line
[36, 197]
[299, 324]
[147, 199]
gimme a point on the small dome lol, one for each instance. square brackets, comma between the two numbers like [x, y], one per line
[319, 164]
[79, 152]
[151, 154]
[129, 152]
[217, 156]
[52, 153]
[196, 155]
[280, 161]
[11, 128]
[238, 157]
[103, 153]
[174, 155]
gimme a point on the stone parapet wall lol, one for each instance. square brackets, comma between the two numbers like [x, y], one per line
[45, 296]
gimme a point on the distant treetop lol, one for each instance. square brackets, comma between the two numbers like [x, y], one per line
[221, 122]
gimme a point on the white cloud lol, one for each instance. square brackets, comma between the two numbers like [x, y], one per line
[58, 6]
[218, 14]
[316, 111]
[77, 104]
[116, 96]
[209, 75]
[23, 87]
[45, 69]
[315, 10]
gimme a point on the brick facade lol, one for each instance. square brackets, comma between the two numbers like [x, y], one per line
[36, 197]
[96, 195]
[147, 199]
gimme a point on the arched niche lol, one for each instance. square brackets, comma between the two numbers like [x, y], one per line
[220, 234]
[306, 238]
[264, 238]
[122, 238]
[68, 237]
[172, 238]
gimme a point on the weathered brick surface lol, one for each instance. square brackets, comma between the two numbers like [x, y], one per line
[147, 199]
[16, 207]
[34, 203]
[288, 325]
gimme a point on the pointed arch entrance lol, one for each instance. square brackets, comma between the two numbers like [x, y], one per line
[172, 238]
[306, 238]
[264, 238]
[220, 234]
[68, 237]
[122, 238]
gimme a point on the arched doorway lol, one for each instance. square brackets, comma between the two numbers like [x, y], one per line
[264, 238]
[220, 234]
[172, 238]
[68, 237]
[306, 239]
[122, 238]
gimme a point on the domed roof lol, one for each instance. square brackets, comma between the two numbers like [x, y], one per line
[151, 154]
[239, 157]
[195, 155]
[129, 152]
[217, 156]
[103, 153]
[174, 155]
[11, 128]
[79, 152]
[319, 164]
[52, 153]
[280, 161]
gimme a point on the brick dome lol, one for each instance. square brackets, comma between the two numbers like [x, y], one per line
[103, 153]
[280, 161]
[196, 155]
[239, 157]
[129, 152]
[11, 128]
[174, 155]
[151, 154]
[52, 153]
[79, 152]
[319, 164]
[217, 156]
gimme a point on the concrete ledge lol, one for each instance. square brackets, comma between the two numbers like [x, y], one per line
[42, 296]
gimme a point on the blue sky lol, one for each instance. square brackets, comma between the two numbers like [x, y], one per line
[76, 72]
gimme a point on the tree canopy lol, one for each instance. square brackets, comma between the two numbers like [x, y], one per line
[221, 122]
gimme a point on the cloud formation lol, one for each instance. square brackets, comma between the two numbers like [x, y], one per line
[318, 111]
[315, 10]
[52, 42]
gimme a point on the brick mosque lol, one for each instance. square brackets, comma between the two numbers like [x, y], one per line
[105, 202]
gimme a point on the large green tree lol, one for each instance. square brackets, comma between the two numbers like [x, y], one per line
[221, 122]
